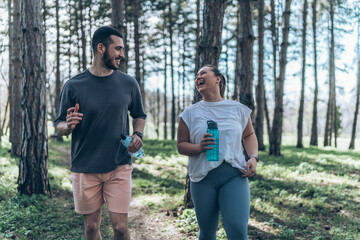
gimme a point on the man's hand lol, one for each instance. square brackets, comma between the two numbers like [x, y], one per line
[73, 117]
[136, 144]
[250, 168]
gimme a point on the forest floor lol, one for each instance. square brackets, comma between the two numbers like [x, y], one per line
[309, 193]
[144, 224]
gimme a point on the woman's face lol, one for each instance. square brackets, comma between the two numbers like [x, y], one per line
[206, 81]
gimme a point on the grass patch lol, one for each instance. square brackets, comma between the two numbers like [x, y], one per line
[310, 193]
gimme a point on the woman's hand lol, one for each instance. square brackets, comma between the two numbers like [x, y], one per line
[205, 141]
[250, 168]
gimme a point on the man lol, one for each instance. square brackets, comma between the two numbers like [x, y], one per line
[94, 107]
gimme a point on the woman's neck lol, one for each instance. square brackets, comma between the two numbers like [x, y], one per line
[212, 98]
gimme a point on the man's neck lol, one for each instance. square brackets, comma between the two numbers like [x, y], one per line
[100, 70]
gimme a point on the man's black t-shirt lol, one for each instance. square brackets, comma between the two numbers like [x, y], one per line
[104, 103]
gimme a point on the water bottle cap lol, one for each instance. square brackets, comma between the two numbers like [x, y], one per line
[123, 137]
[212, 125]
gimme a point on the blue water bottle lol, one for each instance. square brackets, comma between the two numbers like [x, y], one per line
[126, 140]
[213, 154]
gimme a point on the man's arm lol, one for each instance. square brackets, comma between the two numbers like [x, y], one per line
[138, 125]
[73, 117]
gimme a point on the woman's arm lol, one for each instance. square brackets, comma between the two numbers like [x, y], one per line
[251, 147]
[183, 141]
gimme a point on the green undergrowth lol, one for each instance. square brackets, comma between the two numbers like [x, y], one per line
[310, 193]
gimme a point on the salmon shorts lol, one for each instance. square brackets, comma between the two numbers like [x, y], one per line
[92, 190]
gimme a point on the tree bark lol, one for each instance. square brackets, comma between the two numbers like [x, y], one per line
[11, 69]
[15, 83]
[157, 124]
[83, 37]
[260, 92]
[303, 68]
[136, 14]
[210, 42]
[353, 132]
[118, 22]
[165, 85]
[57, 80]
[276, 131]
[197, 95]
[173, 120]
[275, 40]
[33, 172]
[245, 41]
[331, 109]
[314, 130]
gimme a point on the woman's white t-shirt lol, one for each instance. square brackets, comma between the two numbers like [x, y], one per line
[232, 118]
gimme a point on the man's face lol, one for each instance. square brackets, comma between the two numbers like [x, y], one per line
[114, 52]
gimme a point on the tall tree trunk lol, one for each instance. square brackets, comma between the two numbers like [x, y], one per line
[227, 66]
[268, 122]
[69, 43]
[276, 131]
[83, 37]
[210, 42]
[33, 172]
[15, 83]
[246, 40]
[353, 132]
[331, 110]
[260, 91]
[77, 35]
[5, 126]
[302, 93]
[57, 81]
[238, 59]
[136, 9]
[11, 69]
[197, 95]
[275, 40]
[172, 73]
[118, 22]
[184, 59]
[157, 124]
[90, 3]
[209, 53]
[165, 84]
[314, 130]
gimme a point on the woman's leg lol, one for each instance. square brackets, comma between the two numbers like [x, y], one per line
[234, 202]
[204, 196]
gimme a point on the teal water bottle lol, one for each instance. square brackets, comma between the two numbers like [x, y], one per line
[213, 154]
[126, 140]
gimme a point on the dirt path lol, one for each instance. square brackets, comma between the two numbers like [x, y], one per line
[143, 225]
[155, 226]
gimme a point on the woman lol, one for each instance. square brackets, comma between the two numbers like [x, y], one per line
[218, 186]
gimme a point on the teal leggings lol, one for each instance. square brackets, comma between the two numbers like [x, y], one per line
[222, 190]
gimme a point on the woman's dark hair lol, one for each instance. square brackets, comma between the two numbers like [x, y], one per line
[222, 84]
[102, 35]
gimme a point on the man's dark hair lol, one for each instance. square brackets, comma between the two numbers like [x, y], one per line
[102, 35]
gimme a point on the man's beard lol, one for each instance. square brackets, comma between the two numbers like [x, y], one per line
[109, 62]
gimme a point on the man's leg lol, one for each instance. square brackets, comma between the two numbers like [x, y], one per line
[119, 222]
[92, 223]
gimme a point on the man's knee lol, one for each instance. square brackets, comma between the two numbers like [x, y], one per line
[120, 228]
[91, 227]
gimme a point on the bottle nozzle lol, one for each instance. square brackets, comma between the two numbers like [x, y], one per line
[123, 137]
[212, 125]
